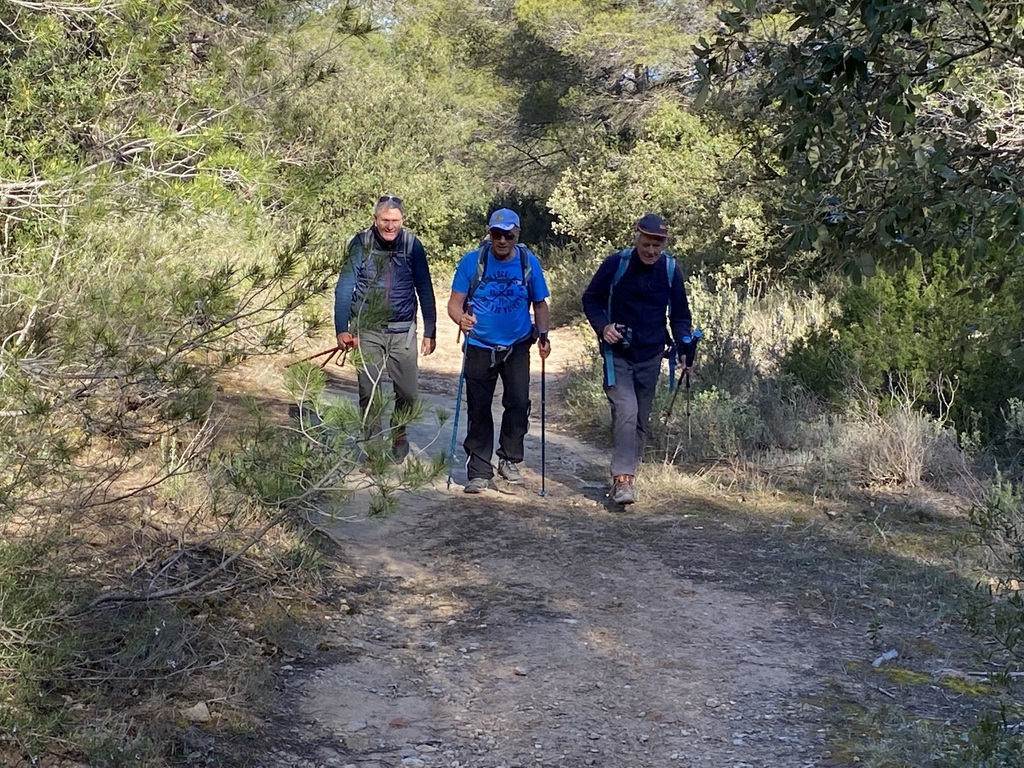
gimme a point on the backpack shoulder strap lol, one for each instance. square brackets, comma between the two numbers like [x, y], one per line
[526, 265]
[670, 268]
[360, 246]
[481, 267]
[624, 255]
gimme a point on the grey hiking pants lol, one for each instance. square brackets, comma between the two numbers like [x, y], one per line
[396, 354]
[631, 400]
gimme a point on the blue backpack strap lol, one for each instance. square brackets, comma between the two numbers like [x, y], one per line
[527, 266]
[619, 272]
[609, 365]
[481, 267]
[670, 267]
[362, 248]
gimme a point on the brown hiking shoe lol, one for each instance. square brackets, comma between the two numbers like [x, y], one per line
[623, 490]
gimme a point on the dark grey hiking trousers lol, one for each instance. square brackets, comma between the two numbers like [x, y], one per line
[631, 400]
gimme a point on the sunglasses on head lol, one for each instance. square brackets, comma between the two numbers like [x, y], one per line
[502, 234]
[389, 199]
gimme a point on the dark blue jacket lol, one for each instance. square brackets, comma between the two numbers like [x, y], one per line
[397, 269]
[640, 302]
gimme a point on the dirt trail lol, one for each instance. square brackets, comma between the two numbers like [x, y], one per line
[514, 630]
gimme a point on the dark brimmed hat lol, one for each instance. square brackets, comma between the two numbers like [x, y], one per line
[653, 225]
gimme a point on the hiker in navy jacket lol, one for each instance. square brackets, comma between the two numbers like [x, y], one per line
[626, 303]
[376, 298]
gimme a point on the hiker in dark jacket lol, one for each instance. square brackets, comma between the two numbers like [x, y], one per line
[626, 304]
[375, 301]
[493, 291]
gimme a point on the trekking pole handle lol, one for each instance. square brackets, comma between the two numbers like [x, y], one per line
[468, 311]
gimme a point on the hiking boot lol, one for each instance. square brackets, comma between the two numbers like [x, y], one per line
[400, 449]
[476, 485]
[509, 470]
[623, 490]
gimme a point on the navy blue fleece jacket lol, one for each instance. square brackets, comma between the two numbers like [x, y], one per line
[402, 280]
[640, 301]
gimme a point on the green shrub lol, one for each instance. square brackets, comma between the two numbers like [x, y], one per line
[917, 330]
[31, 648]
[568, 272]
[998, 534]
[996, 617]
[992, 743]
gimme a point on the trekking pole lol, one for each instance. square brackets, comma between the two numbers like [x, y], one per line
[689, 435]
[330, 352]
[455, 421]
[675, 386]
[543, 402]
[458, 407]
[689, 342]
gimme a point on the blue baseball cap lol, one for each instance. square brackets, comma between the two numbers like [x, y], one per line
[503, 218]
[652, 224]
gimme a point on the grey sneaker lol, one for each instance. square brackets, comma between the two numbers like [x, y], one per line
[623, 490]
[476, 485]
[509, 470]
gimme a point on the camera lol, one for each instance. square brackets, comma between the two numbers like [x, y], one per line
[627, 336]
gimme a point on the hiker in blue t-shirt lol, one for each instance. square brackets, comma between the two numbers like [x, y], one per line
[626, 303]
[492, 293]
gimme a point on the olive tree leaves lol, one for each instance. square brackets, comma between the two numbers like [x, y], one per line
[892, 123]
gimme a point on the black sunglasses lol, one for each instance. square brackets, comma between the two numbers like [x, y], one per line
[389, 199]
[502, 234]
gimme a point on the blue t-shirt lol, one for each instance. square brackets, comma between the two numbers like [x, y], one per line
[501, 301]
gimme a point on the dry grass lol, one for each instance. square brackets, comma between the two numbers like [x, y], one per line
[146, 603]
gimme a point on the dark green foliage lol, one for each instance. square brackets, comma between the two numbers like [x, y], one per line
[994, 743]
[997, 530]
[997, 618]
[34, 653]
[918, 334]
[884, 120]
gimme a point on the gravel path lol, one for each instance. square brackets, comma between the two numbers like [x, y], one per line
[512, 630]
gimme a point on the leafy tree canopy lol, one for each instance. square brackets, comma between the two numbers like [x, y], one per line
[677, 166]
[891, 124]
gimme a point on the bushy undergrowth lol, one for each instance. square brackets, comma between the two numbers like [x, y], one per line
[748, 408]
[998, 536]
[329, 444]
[742, 402]
[918, 330]
[568, 272]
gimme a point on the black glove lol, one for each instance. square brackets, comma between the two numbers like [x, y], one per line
[688, 348]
